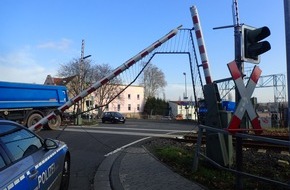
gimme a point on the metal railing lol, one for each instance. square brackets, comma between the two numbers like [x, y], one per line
[199, 154]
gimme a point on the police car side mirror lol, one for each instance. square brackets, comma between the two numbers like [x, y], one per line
[50, 144]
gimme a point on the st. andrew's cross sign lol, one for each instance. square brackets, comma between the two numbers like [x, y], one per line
[244, 105]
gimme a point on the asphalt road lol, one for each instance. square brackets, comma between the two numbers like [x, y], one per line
[90, 144]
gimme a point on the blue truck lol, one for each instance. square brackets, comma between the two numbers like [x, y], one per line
[28, 103]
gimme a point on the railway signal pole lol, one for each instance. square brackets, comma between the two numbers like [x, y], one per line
[239, 140]
[248, 47]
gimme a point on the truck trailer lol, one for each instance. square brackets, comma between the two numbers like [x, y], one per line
[28, 103]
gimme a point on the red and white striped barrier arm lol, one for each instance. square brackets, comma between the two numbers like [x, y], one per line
[104, 80]
[201, 45]
[244, 104]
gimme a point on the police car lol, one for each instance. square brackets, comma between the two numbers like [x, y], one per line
[29, 162]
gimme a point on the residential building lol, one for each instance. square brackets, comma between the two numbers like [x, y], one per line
[58, 81]
[183, 110]
[130, 102]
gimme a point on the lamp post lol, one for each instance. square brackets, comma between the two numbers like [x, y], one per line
[185, 97]
[185, 94]
[81, 80]
[81, 77]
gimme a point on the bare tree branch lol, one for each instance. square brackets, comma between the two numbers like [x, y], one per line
[87, 74]
[153, 80]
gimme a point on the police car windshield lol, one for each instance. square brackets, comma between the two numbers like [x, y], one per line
[19, 141]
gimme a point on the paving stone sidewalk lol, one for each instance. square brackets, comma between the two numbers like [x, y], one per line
[135, 168]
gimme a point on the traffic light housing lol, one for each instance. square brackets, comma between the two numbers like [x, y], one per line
[252, 44]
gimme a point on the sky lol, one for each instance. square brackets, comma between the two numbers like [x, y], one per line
[38, 36]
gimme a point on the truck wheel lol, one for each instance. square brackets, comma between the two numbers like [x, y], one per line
[33, 119]
[54, 123]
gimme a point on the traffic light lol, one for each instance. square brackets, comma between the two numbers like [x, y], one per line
[252, 44]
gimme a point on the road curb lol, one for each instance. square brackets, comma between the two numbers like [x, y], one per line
[102, 176]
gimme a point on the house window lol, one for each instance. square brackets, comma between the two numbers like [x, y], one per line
[129, 96]
[119, 107]
[138, 96]
[129, 107]
[138, 107]
[107, 106]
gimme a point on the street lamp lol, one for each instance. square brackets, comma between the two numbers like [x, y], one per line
[185, 97]
[185, 94]
[80, 107]
[81, 77]
[87, 57]
[81, 72]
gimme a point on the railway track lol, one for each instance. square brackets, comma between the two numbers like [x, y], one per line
[247, 143]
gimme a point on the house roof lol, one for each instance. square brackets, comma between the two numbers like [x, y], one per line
[61, 81]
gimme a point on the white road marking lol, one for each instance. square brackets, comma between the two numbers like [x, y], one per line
[127, 145]
[128, 133]
[129, 129]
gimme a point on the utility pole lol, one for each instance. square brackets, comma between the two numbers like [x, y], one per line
[81, 82]
[80, 77]
[81, 72]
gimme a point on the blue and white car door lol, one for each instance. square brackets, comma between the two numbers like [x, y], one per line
[46, 173]
[18, 173]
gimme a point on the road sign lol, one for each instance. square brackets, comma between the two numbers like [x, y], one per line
[244, 105]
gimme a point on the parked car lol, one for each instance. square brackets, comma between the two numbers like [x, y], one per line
[29, 162]
[113, 117]
[179, 117]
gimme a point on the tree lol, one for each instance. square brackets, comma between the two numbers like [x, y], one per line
[153, 80]
[81, 71]
[86, 75]
[156, 106]
[106, 93]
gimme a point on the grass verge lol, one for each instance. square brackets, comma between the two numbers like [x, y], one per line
[180, 159]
